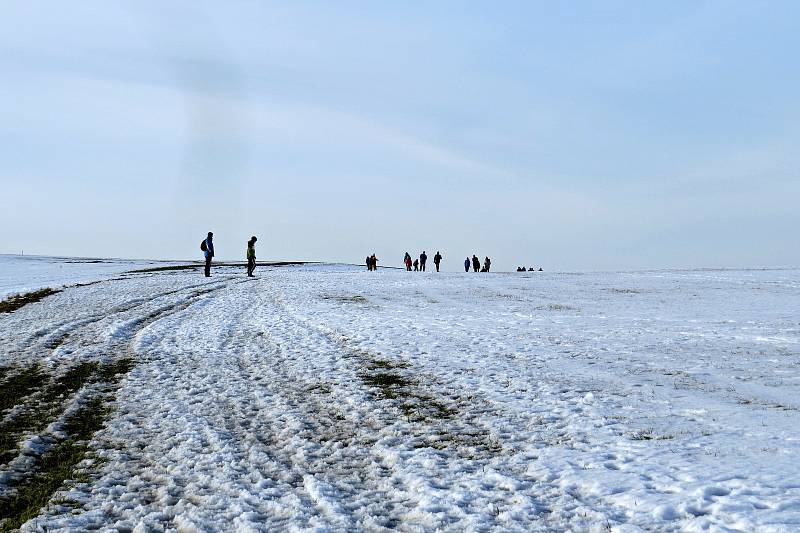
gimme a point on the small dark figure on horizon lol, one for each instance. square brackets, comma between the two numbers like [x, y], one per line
[476, 263]
[423, 258]
[437, 259]
[373, 263]
[416, 265]
[207, 246]
[407, 261]
[466, 264]
[487, 264]
[251, 256]
[369, 263]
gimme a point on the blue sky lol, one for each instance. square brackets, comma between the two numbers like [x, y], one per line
[580, 135]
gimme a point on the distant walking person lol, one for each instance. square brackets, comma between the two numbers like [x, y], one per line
[423, 258]
[466, 264]
[407, 261]
[369, 263]
[251, 255]
[374, 262]
[487, 263]
[437, 259]
[476, 263]
[416, 265]
[208, 249]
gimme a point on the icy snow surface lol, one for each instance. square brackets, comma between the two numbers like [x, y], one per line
[330, 398]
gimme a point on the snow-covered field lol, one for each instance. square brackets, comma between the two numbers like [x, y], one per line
[331, 398]
[27, 273]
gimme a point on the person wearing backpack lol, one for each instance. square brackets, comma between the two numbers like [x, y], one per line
[251, 256]
[207, 246]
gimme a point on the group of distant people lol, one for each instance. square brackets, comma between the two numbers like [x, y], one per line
[529, 269]
[475, 263]
[419, 265]
[207, 247]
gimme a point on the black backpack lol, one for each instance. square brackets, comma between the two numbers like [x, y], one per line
[204, 246]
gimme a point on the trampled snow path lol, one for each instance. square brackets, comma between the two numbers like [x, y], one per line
[330, 398]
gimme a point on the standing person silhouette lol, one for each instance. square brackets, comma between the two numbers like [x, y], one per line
[407, 261]
[208, 249]
[251, 256]
[487, 263]
[466, 264]
[423, 258]
[476, 263]
[437, 259]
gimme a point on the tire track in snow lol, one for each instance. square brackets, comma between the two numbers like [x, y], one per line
[25, 470]
[55, 334]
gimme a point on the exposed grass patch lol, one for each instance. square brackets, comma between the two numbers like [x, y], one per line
[556, 307]
[346, 298]
[418, 407]
[19, 386]
[388, 384]
[54, 467]
[415, 406]
[649, 434]
[19, 300]
[164, 268]
[59, 464]
[48, 401]
[626, 291]
[376, 364]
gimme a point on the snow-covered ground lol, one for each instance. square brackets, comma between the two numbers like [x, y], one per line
[23, 273]
[333, 398]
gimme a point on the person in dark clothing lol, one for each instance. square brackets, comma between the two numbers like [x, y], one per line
[423, 258]
[476, 263]
[466, 264]
[369, 263]
[487, 264]
[251, 255]
[437, 259]
[407, 261]
[208, 250]
[416, 265]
